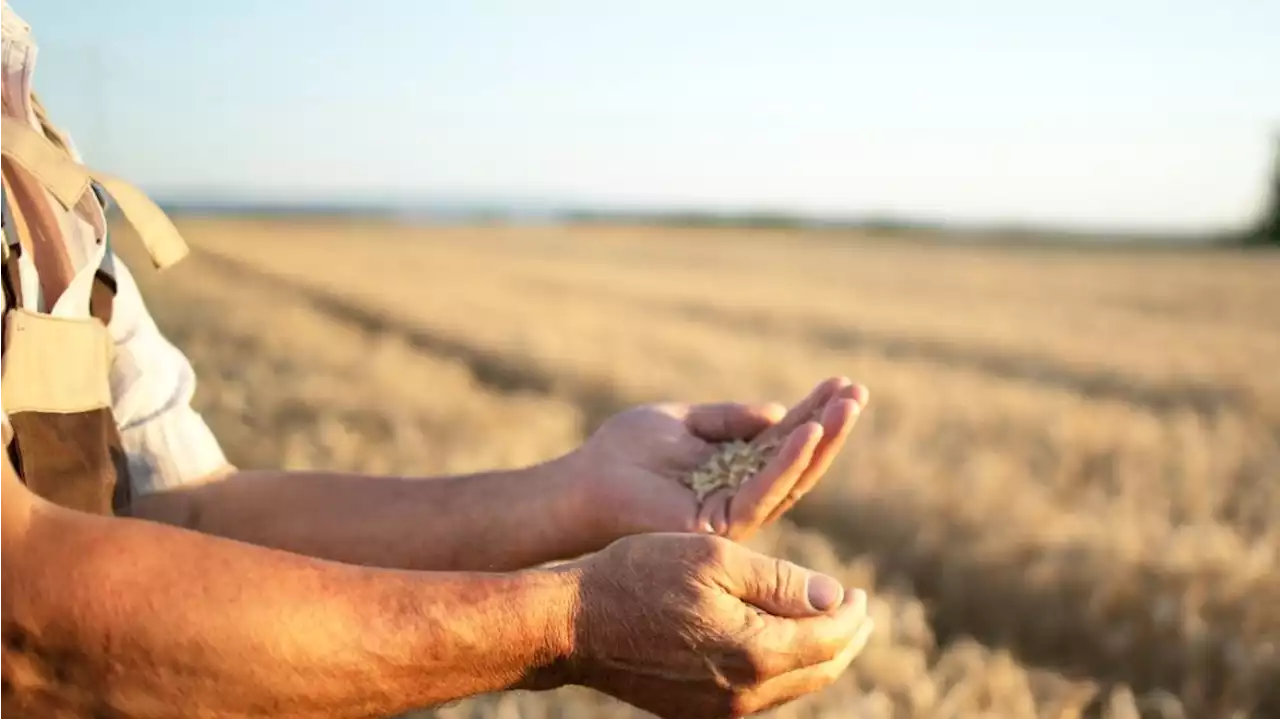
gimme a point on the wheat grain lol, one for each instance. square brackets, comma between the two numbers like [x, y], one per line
[736, 461]
[732, 464]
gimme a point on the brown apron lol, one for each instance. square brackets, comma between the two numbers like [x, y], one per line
[65, 440]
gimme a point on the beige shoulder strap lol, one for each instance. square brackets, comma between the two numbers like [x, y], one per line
[68, 180]
[163, 241]
[54, 169]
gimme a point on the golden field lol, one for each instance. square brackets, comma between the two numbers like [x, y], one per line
[1064, 495]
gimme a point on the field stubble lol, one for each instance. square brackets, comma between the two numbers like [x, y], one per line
[1064, 494]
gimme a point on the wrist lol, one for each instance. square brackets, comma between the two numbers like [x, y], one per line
[549, 599]
[468, 633]
[585, 508]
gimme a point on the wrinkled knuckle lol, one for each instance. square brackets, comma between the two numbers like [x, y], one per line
[712, 551]
[763, 666]
[784, 574]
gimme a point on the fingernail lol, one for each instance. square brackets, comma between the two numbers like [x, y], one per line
[824, 592]
[719, 526]
[862, 394]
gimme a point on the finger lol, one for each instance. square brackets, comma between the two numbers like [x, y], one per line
[756, 498]
[856, 393]
[713, 513]
[781, 588]
[837, 423]
[807, 409]
[785, 644]
[780, 690]
[725, 421]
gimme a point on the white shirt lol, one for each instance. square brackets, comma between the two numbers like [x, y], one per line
[167, 442]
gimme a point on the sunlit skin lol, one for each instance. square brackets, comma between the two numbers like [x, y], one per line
[625, 479]
[442, 608]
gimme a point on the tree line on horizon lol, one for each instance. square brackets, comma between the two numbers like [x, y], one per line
[1268, 229]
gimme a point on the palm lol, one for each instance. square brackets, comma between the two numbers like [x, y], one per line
[638, 458]
[645, 451]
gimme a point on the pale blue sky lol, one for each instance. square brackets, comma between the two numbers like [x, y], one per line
[1129, 113]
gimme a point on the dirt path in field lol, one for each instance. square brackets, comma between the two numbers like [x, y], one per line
[1071, 607]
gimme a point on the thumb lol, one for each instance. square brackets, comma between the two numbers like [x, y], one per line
[781, 588]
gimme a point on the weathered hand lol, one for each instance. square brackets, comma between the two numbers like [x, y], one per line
[682, 625]
[635, 461]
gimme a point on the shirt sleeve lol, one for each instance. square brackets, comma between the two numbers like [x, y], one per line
[167, 443]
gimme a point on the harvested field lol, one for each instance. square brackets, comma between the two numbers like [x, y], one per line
[1064, 496]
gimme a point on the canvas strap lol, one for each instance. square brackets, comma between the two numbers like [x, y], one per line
[68, 180]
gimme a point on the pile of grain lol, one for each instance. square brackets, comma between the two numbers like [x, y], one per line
[736, 461]
[733, 463]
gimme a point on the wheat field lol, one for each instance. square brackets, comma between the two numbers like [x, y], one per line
[1064, 496]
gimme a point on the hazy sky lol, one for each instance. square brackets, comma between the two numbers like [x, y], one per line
[1127, 113]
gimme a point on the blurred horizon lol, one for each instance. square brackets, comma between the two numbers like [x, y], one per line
[1150, 118]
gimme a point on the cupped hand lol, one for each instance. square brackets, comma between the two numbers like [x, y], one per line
[634, 463]
[685, 625]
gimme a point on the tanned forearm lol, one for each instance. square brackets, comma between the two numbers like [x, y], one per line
[494, 521]
[120, 617]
